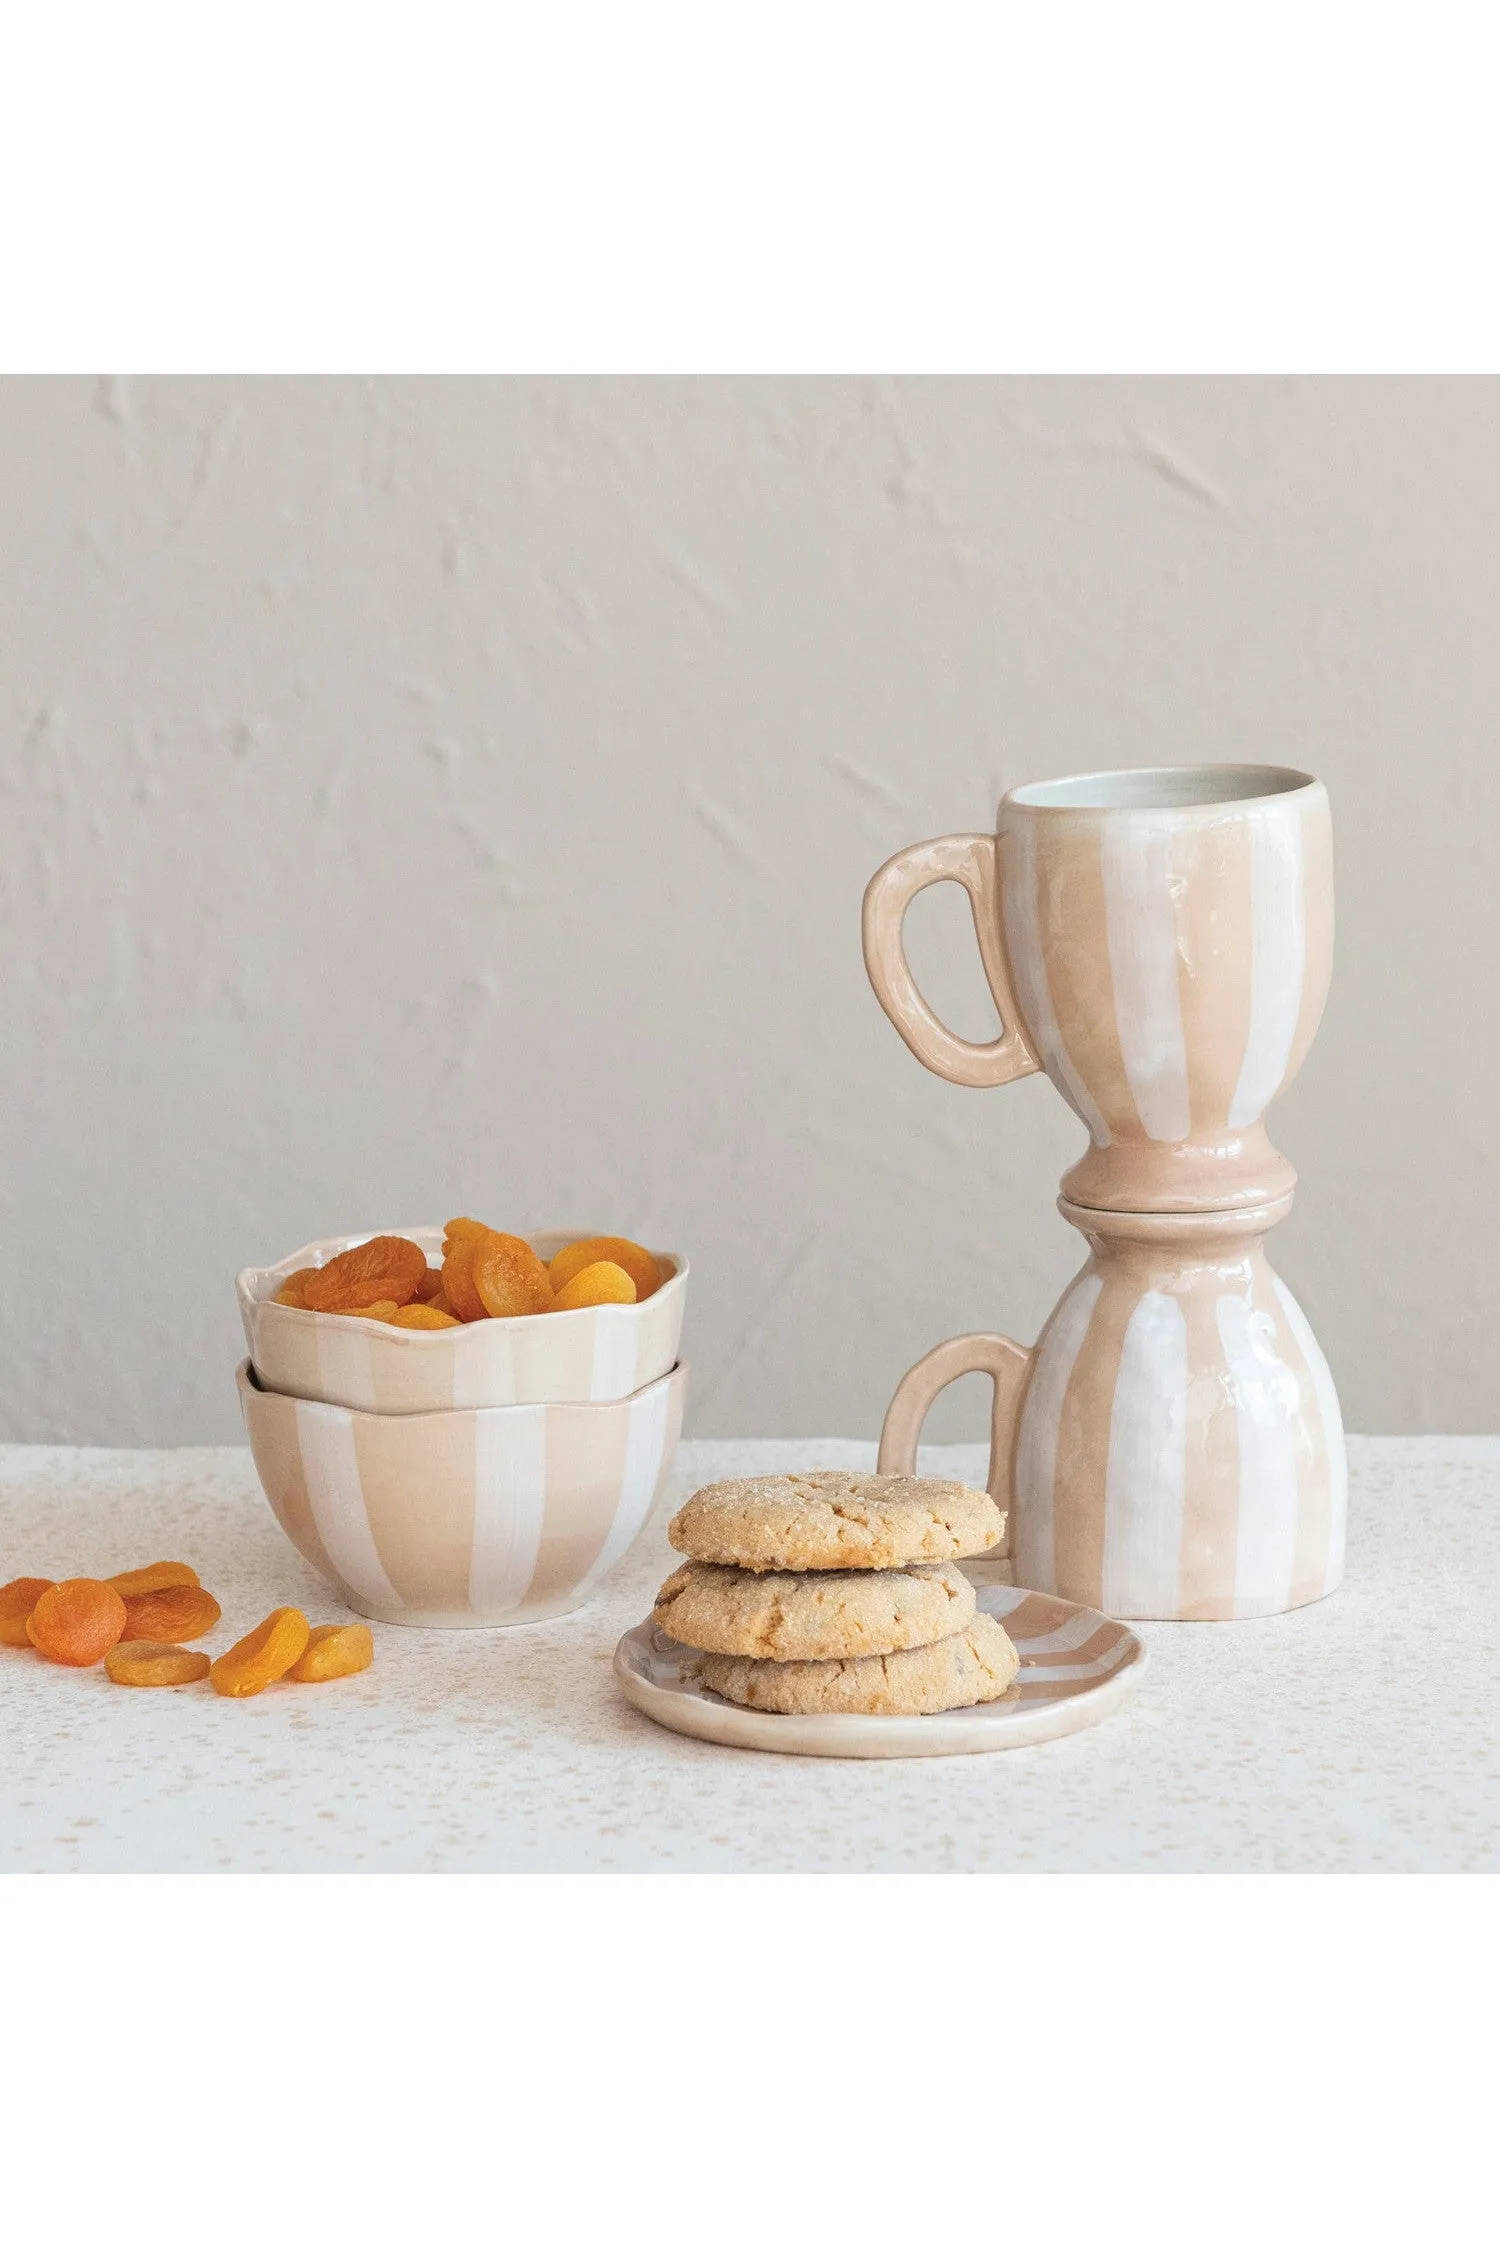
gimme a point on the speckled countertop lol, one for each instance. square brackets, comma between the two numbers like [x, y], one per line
[1358, 1735]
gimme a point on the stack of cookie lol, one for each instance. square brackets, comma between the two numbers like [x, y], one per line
[828, 1592]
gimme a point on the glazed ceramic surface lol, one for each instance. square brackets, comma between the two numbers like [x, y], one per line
[1160, 943]
[502, 1515]
[1076, 1668]
[605, 1351]
[1173, 1445]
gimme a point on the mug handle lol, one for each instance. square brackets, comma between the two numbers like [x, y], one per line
[970, 860]
[1008, 1364]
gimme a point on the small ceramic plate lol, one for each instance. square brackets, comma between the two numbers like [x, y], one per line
[1076, 1667]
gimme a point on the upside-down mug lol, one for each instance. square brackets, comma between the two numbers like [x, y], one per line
[1160, 943]
[1172, 1445]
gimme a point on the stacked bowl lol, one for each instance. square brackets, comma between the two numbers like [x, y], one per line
[474, 1475]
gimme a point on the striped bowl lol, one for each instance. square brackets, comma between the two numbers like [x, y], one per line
[502, 1515]
[556, 1357]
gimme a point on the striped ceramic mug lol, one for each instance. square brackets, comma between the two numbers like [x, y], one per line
[1172, 1446]
[1160, 943]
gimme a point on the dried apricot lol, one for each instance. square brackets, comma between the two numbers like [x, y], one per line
[458, 1279]
[430, 1285]
[293, 1289]
[345, 1282]
[464, 1229]
[422, 1315]
[263, 1655]
[147, 1662]
[176, 1613]
[77, 1622]
[333, 1651]
[509, 1277]
[385, 1310]
[155, 1578]
[17, 1599]
[607, 1248]
[601, 1283]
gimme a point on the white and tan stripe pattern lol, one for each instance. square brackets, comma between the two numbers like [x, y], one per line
[1063, 1651]
[1182, 1455]
[501, 1515]
[1170, 964]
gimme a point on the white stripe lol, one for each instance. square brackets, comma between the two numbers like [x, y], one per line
[510, 1505]
[1134, 859]
[1146, 1475]
[1278, 959]
[1266, 1408]
[1333, 1429]
[345, 1368]
[1041, 1418]
[1046, 1674]
[645, 1447]
[484, 1367]
[1074, 1633]
[330, 1469]
[1026, 951]
[616, 1336]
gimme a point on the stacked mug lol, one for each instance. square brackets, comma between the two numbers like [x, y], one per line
[484, 1474]
[1159, 942]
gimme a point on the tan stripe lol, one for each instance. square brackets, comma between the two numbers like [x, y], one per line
[1317, 924]
[1083, 1447]
[1314, 1494]
[1211, 875]
[1108, 1635]
[417, 1476]
[585, 1472]
[1038, 1614]
[1075, 951]
[278, 1462]
[1211, 1494]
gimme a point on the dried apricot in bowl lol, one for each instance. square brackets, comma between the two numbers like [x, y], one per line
[147, 1662]
[155, 1577]
[262, 1656]
[387, 1268]
[334, 1651]
[17, 1599]
[422, 1315]
[608, 1248]
[172, 1615]
[601, 1283]
[463, 1229]
[77, 1622]
[509, 1277]
[458, 1278]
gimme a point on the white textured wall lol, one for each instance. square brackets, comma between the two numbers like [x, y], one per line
[423, 796]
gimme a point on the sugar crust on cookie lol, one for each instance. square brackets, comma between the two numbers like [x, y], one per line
[829, 1519]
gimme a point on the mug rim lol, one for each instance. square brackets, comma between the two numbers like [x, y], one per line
[1181, 789]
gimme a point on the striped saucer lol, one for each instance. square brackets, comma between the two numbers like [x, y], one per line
[1077, 1667]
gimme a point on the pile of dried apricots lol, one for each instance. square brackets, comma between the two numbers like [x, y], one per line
[139, 1624]
[483, 1275]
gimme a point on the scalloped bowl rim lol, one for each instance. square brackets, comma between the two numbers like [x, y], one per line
[250, 1286]
[247, 1379]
